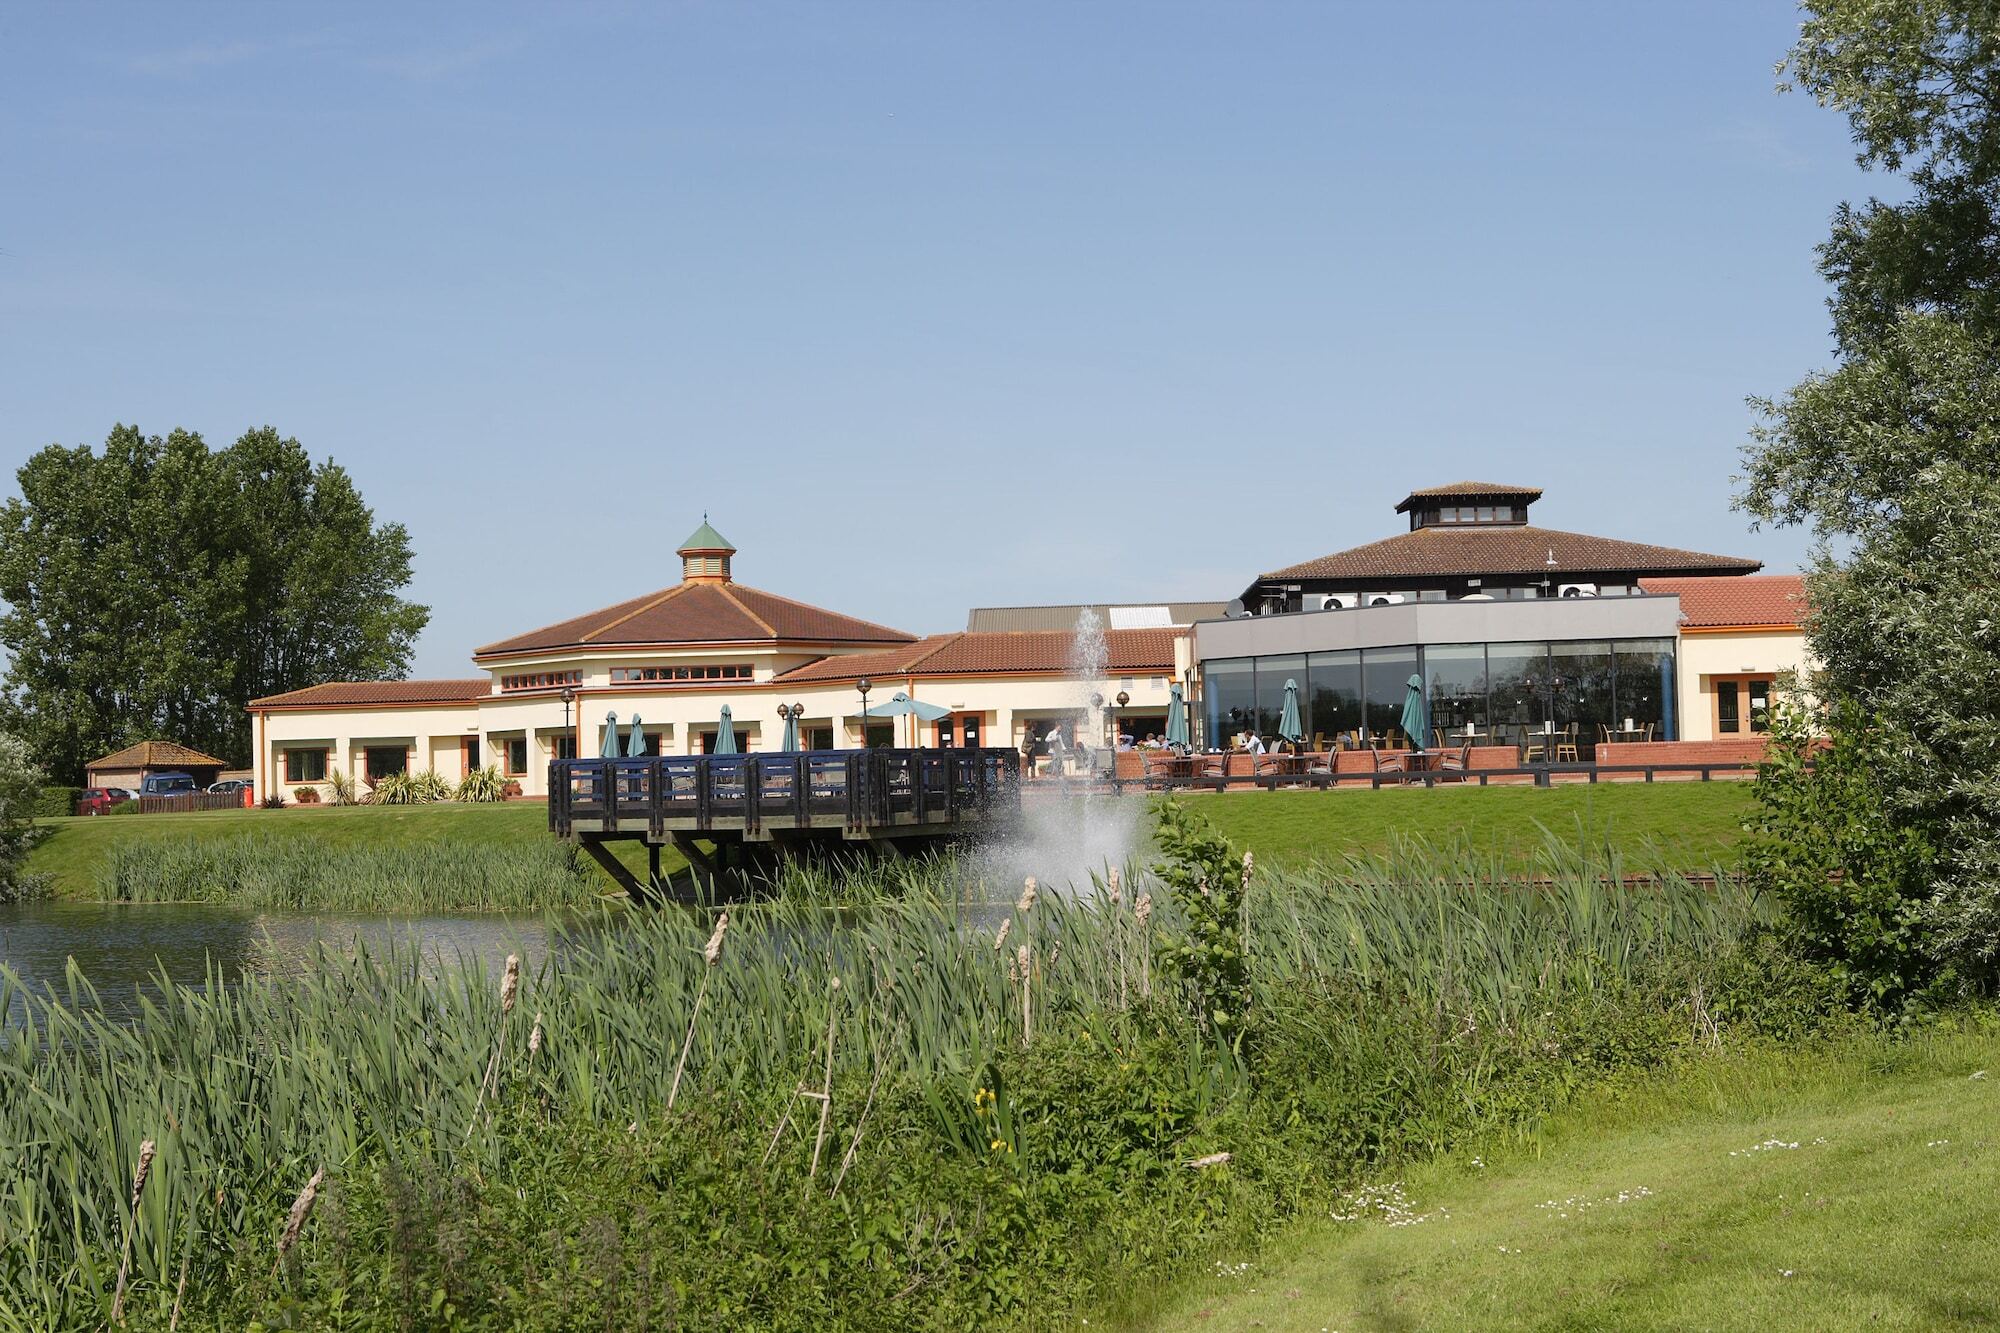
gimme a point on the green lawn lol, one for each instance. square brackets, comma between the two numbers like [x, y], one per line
[1684, 825]
[1858, 1189]
[75, 851]
[1679, 825]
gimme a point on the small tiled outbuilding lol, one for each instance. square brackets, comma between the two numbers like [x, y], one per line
[129, 766]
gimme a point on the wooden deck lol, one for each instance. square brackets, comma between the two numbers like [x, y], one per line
[736, 803]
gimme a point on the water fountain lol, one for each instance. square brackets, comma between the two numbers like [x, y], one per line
[1069, 829]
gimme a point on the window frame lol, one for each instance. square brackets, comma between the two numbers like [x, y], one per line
[302, 751]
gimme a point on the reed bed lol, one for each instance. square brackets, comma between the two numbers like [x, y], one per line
[919, 979]
[296, 874]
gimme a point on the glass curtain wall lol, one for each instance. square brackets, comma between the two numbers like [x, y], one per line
[1229, 696]
[1334, 694]
[1504, 690]
[1645, 694]
[1581, 681]
[1385, 683]
[1455, 681]
[1272, 673]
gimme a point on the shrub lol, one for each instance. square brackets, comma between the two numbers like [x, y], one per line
[306, 795]
[482, 785]
[275, 801]
[1825, 844]
[56, 802]
[394, 789]
[1210, 888]
[429, 786]
[341, 788]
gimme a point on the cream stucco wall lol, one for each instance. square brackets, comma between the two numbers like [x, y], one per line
[1706, 655]
[430, 735]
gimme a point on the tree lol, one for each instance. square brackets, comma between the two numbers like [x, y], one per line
[157, 587]
[20, 793]
[1893, 457]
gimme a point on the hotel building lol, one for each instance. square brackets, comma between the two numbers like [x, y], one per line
[1512, 627]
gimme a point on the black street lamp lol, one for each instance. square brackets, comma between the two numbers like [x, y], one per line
[568, 697]
[863, 686]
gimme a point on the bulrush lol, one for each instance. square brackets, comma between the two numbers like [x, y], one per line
[300, 1207]
[1000, 935]
[510, 983]
[1142, 912]
[145, 1169]
[535, 1036]
[1025, 961]
[1028, 895]
[711, 954]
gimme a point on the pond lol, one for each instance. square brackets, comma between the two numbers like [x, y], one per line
[121, 947]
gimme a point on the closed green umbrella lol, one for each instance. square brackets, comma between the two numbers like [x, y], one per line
[1416, 720]
[1288, 720]
[635, 740]
[791, 741]
[610, 750]
[725, 735]
[1177, 720]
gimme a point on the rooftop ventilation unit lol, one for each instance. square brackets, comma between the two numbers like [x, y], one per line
[1385, 599]
[1578, 590]
[1339, 601]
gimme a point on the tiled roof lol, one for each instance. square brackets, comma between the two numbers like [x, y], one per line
[971, 654]
[1505, 549]
[156, 754]
[700, 613]
[1725, 603]
[1469, 488]
[377, 693]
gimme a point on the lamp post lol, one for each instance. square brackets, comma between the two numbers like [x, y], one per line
[1121, 699]
[863, 686]
[568, 698]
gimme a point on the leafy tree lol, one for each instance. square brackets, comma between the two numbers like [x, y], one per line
[20, 793]
[1893, 457]
[155, 588]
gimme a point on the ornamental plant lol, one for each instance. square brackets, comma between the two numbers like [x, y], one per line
[1208, 883]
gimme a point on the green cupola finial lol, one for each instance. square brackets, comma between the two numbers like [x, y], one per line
[705, 555]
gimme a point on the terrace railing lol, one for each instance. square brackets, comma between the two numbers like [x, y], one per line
[853, 791]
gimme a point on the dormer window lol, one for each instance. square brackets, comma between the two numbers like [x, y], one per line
[1468, 504]
[1452, 515]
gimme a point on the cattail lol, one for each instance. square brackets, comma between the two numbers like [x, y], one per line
[510, 983]
[1143, 909]
[1142, 912]
[1055, 952]
[1026, 962]
[1000, 935]
[713, 950]
[1114, 886]
[535, 1036]
[1213, 1159]
[1249, 864]
[300, 1207]
[139, 1176]
[1028, 893]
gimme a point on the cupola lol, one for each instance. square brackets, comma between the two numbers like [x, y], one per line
[705, 556]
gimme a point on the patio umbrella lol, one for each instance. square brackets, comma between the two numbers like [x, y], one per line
[791, 739]
[635, 740]
[1416, 719]
[725, 735]
[1177, 722]
[1288, 720]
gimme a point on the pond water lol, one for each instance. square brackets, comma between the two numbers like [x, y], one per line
[123, 947]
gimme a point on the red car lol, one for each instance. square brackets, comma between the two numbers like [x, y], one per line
[99, 800]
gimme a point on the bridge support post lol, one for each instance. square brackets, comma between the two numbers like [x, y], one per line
[601, 853]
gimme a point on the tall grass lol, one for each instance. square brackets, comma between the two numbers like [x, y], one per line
[301, 874]
[249, 1086]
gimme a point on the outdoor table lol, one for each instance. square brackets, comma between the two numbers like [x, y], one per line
[1623, 734]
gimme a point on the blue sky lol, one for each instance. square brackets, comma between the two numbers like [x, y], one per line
[927, 306]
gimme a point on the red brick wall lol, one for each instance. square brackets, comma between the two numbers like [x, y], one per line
[1748, 751]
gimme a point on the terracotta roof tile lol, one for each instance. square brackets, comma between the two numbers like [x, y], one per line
[699, 613]
[1504, 549]
[1469, 488]
[1723, 603]
[970, 653]
[156, 754]
[378, 693]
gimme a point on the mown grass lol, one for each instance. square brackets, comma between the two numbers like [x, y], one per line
[1877, 1205]
[530, 1166]
[1686, 826]
[78, 856]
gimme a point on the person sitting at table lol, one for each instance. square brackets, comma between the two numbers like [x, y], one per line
[1253, 742]
[1124, 741]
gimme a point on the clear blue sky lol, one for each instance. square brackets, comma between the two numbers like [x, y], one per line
[927, 305]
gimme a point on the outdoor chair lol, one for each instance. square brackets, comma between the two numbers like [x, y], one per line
[1158, 768]
[1533, 748]
[1386, 762]
[1604, 733]
[1567, 751]
[1649, 732]
[1456, 761]
[1214, 766]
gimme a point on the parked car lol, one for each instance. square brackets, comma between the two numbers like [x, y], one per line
[166, 784]
[229, 787]
[99, 800]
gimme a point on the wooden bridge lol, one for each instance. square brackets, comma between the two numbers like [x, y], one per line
[753, 808]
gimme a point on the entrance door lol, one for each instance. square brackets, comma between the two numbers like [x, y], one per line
[959, 731]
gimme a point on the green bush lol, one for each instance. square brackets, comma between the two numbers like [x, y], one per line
[482, 786]
[57, 802]
[394, 789]
[1856, 883]
[341, 788]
